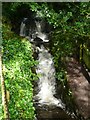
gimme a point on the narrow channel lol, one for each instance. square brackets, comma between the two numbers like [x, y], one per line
[46, 104]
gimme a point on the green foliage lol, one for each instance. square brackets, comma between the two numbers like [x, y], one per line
[70, 22]
[17, 69]
[71, 29]
[66, 16]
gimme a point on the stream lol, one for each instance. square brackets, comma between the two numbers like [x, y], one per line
[47, 106]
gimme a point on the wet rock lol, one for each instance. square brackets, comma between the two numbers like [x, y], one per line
[45, 112]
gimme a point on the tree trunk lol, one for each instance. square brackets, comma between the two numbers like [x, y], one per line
[4, 101]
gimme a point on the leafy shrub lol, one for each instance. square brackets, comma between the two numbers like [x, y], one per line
[17, 68]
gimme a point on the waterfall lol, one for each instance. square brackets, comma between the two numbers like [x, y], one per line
[41, 34]
[35, 30]
[38, 26]
[45, 69]
[46, 84]
[23, 28]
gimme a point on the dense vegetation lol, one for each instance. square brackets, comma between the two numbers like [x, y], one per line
[17, 64]
[70, 37]
[70, 22]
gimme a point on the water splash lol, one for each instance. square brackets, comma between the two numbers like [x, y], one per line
[47, 82]
[22, 29]
[45, 69]
[40, 34]
[32, 29]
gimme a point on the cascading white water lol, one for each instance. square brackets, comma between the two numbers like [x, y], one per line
[46, 83]
[38, 32]
[38, 26]
[41, 35]
[23, 28]
[46, 71]
[22, 33]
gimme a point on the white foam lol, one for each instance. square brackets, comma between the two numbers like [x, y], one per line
[46, 81]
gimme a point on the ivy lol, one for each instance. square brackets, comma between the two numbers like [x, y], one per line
[17, 64]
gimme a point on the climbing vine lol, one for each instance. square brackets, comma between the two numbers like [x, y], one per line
[17, 69]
